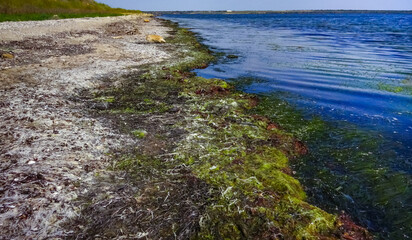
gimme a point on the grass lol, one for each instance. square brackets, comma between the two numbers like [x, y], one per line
[19, 10]
[48, 16]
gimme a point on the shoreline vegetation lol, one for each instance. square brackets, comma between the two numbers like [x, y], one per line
[206, 168]
[26, 10]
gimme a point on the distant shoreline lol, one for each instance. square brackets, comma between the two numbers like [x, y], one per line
[283, 12]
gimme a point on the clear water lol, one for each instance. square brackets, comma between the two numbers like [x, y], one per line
[354, 68]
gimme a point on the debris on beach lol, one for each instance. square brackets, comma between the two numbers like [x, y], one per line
[7, 56]
[155, 38]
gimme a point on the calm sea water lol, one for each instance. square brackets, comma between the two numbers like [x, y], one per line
[354, 68]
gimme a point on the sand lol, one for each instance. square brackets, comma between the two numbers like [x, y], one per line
[49, 145]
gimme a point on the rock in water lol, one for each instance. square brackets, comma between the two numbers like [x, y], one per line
[155, 38]
[7, 55]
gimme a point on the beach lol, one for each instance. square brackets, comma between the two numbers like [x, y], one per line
[48, 144]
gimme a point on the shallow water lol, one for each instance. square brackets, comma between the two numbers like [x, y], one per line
[346, 68]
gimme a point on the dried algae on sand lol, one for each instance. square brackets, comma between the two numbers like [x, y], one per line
[51, 146]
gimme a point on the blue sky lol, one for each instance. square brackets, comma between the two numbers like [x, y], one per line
[158, 5]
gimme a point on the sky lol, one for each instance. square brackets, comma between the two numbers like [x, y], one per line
[184, 5]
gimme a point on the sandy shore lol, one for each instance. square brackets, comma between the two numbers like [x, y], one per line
[48, 145]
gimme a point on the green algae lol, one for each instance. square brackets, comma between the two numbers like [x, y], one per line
[139, 133]
[106, 99]
[245, 81]
[240, 162]
[389, 88]
[347, 168]
[254, 194]
[404, 86]
[243, 161]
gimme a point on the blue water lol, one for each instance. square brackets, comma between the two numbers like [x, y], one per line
[338, 64]
[355, 68]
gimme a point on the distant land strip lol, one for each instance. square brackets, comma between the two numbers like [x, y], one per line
[281, 12]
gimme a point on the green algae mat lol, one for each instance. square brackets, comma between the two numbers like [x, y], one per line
[204, 166]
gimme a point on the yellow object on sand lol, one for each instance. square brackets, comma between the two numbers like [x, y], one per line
[7, 56]
[155, 38]
[146, 20]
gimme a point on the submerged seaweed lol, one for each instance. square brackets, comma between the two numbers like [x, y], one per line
[349, 169]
